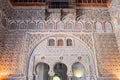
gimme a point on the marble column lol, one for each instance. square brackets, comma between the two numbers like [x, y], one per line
[51, 74]
[51, 77]
[69, 77]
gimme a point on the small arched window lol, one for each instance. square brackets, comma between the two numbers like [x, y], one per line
[50, 26]
[69, 42]
[98, 27]
[41, 26]
[31, 25]
[51, 42]
[69, 26]
[13, 26]
[79, 26]
[88, 26]
[22, 26]
[60, 26]
[60, 42]
[108, 27]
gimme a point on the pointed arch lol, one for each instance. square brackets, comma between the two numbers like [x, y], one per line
[32, 25]
[70, 25]
[79, 25]
[88, 26]
[50, 25]
[41, 25]
[22, 25]
[108, 27]
[98, 26]
[60, 25]
[116, 23]
[13, 25]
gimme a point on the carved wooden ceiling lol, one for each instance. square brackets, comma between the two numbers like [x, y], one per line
[76, 4]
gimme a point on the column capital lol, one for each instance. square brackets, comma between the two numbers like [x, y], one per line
[70, 74]
[51, 73]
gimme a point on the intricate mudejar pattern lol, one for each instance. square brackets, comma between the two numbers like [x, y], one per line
[65, 44]
[70, 26]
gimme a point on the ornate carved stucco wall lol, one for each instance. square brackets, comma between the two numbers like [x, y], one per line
[115, 14]
[17, 46]
[52, 56]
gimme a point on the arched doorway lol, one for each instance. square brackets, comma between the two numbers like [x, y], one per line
[78, 71]
[60, 70]
[41, 71]
[52, 55]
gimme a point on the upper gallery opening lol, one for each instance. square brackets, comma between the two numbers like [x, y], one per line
[58, 4]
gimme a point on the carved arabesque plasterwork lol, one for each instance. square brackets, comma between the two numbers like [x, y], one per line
[26, 14]
[18, 14]
[53, 16]
[14, 51]
[4, 6]
[32, 40]
[80, 49]
[107, 54]
[1, 41]
[93, 14]
[87, 38]
[115, 3]
[16, 47]
[68, 17]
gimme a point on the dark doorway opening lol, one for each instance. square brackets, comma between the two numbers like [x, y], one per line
[61, 70]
